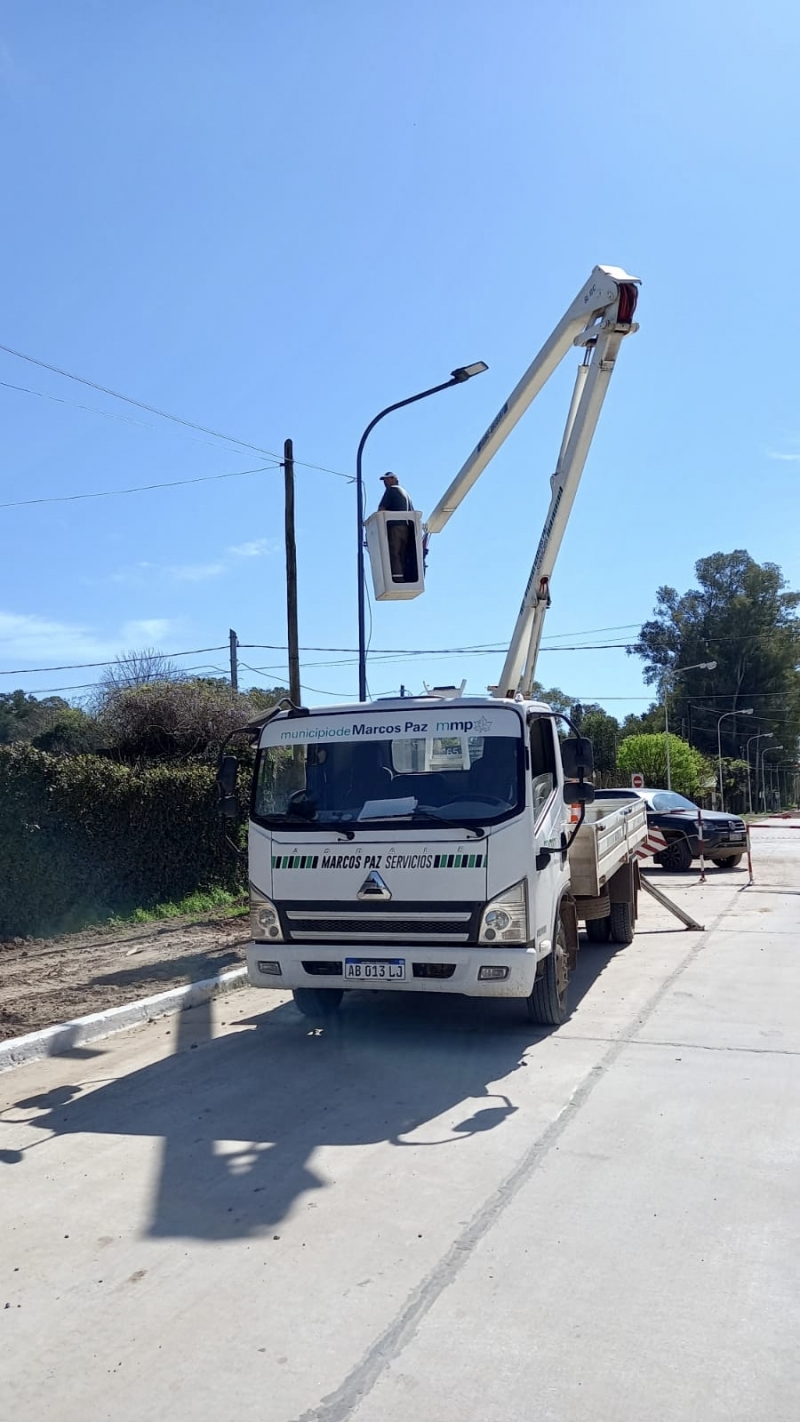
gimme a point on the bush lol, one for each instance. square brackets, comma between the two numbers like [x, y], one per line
[689, 770]
[176, 719]
[82, 837]
[73, 732]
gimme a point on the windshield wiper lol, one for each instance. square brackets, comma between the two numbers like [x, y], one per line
[478, 830]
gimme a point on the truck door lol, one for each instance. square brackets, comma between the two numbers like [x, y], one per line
[548, 823]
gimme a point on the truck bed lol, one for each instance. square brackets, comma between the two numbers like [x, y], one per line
[607, 839]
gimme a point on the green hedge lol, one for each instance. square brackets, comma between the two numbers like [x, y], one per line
[82, 837]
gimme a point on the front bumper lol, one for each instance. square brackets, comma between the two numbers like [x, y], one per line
[314, 966]
[724, 849]
[715, 846]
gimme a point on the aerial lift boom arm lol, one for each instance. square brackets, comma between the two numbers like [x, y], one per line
[599, 319]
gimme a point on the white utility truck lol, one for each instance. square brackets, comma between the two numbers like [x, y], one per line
[442, 843]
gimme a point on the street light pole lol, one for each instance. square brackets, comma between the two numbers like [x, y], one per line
[765, 751]
[759, 736]
[746, 711]
[675, 671]
[464, 372]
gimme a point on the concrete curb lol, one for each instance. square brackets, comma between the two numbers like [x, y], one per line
[54, 1040]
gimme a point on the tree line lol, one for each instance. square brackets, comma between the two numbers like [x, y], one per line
[739, 614]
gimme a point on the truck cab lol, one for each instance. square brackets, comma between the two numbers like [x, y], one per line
[411, 845]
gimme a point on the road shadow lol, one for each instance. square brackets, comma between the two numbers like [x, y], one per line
[242, 1115]
[769, 889]
[191, 967]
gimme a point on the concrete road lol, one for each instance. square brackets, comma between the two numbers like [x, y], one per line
[430, 1209]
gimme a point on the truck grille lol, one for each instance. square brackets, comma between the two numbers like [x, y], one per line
[308, 926]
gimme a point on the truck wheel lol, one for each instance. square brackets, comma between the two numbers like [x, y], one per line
[598, 930]
[547, 1003]
[732, 863]
[622, 923]
[317, 1002]
[676, 858]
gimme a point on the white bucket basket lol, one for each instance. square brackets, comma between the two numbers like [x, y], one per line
[394, 544]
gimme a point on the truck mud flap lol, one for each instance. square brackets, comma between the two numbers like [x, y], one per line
[623, 885]
[568, 914]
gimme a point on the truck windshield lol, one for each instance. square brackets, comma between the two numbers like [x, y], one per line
[460, 778]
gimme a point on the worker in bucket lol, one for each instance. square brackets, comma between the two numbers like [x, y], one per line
[400, 534]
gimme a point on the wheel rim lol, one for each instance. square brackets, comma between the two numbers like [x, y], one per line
[674, 856]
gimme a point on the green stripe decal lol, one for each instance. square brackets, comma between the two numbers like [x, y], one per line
[440, 861]
[458, 861]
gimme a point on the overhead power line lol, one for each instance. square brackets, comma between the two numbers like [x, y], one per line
[137, 488]
[141, 405]
[92, 409]
[114, 662]
[380, 654]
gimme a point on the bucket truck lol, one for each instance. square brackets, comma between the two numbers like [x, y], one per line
[448, 843]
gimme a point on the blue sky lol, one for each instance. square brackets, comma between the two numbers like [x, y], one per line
[274, 219]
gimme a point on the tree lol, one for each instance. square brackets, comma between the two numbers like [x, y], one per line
[135, 669]
[690, 771]
[742, 616]
[734, 775]
[649, 723]
[262, 697]
[72, 732]
[167, 720]
[553, 697]
[604, 733]
[23, 716]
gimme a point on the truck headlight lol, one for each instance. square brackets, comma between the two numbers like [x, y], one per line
[265, 925]
[505, 918]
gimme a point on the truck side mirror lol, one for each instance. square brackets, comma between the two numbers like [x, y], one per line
[577, 757]
[578, 792]
[226, 780]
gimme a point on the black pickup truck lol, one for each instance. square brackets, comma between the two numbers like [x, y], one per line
[724, 836]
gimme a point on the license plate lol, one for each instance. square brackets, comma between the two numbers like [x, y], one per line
[371, 970]
[738, 838]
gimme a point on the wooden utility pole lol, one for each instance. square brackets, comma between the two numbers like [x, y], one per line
[234, 641]
[291, 575]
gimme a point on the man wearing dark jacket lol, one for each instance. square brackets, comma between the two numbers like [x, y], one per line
[400, 534]
[395, 499]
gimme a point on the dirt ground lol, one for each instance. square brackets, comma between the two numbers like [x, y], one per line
[49, 980]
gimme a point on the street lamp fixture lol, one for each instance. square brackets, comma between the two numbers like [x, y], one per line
[458, 376]
[745, 711]
[466, 372]
[675, 671]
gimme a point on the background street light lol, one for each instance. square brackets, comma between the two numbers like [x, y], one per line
[766, 751]
[464, 372]
[745, 711]
[759, 736]
[696, 666]
[786, 796]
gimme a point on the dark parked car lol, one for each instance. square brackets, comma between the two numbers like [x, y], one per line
[724, 836]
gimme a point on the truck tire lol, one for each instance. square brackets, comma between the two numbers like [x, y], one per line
[547, 1003]
[598, 930]
[622, 923]
[732, 863]
[676, 858]
[317, 1002]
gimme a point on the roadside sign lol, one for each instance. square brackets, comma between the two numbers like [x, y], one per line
[637, 781]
